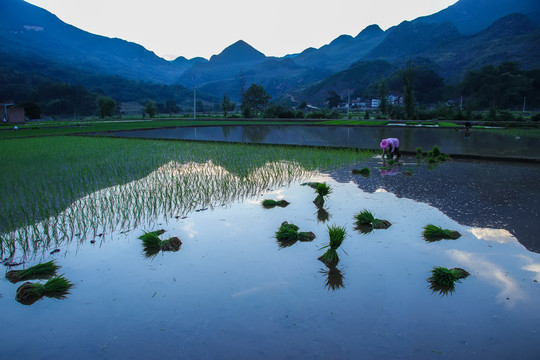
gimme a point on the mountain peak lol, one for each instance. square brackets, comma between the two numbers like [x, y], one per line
[239, 52]
[371, 30]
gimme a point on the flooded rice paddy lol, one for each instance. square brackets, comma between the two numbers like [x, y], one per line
[233, 291]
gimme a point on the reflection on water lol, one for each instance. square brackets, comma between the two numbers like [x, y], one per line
[174, 191]
[450, 140]
[230, 292]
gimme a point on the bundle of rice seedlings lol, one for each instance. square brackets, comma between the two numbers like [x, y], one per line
[322, 190]
[152, 234]
[56, 287]
[337, 235]
[306, 236]
[171, 244]
[365, 217]
[269, 203]
[436, 233]
[334, 278]
[364, 172]
[419, 153]
[312, 185]
[152, 244]
[408, 171]
[39, 271]
[443, 280]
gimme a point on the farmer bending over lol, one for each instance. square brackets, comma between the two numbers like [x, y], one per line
[392, 145]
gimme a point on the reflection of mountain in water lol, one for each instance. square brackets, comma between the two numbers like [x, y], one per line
[474, 193]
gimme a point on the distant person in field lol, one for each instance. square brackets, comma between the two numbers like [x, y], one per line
[392, 146]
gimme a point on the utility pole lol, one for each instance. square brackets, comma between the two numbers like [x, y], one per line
[194, 103]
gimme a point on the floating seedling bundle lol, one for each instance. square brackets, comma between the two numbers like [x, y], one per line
[39, 271]
[269, 203]
[321, 189]
[366, 220]
[56, 287]
[337, 235]
[365, 172]
[436, 233]
[443, 280]
[153, 244]
[288, 235]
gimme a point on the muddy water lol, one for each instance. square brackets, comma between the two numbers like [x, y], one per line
[233, 292]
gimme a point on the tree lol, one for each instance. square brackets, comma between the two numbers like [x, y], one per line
[106, 106]
[150, 108]
[333, 99]
[227, 105]
[408, 90]
[171, 106]
[255, 100]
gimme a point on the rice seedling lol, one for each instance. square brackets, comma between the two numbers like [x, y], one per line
[39, 271]
[334, 278]
[269, 203]
[365, 172]
[288, 234]
[56, 287]
[419, 154]
[436, 233]
[365, 218]
[408, 171]
[322, 190]
[443, 280]
[152, 244]
[336, 234]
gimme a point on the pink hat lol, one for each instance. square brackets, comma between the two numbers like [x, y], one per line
[384, 144]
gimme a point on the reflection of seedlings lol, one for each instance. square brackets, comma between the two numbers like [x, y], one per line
[152, 244]
[408, 171]
[288, 235]
[337, 235]
[39, 271]
[334, 278]
[322, 215]
[56, 287]
[269, 203]
[366, 218]
[364, 172]
[436, 233]
[443, 280]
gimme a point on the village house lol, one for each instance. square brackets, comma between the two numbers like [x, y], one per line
[11, 114]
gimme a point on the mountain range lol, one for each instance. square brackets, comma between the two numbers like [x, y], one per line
[462, 37]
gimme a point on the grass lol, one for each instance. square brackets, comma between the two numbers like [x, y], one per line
[354, 122]
[143, 178]
[38, 271]
[435, 233]
[56, 287]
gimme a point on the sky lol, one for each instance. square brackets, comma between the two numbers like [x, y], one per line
[172, 28]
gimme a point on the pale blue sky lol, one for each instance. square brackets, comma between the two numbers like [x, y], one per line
[172, 28]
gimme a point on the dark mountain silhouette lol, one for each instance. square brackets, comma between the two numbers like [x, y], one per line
[27, 30]
[473, 16]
